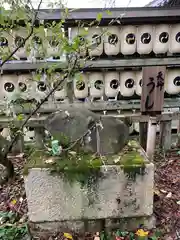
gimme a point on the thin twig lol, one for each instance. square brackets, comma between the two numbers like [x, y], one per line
[79, 139]
[98, 143]
[24, 41]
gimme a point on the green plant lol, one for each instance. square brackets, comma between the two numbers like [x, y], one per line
[9, 217]
[10, 232]
[140, 234]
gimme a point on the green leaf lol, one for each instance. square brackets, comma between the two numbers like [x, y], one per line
[12, 232]
[131, 236]
[54, 23]
[158, 233]
[37, 77]
[66, 11]
[153, 238]
[79, 77]
[99, 17]
[20, 117]
[108, 12]
[123, 234]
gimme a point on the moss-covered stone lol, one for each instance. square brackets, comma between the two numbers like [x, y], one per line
[133, 160]
[79, 166]
[72, 165]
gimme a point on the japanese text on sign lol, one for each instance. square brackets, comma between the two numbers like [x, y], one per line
[152, 96]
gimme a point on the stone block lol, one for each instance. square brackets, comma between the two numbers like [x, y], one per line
[115, 195]
[130, 224]
[77, 226]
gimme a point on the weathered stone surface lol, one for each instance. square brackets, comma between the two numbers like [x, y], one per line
[72, 122]
[64, 226]
[70, 226]
[96, 225]
[75, 122]
[113, 136]
[3, 145]
[51, 198]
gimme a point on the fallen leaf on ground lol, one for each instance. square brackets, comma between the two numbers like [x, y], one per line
[163, 191]
[68, 236]
[169, 195]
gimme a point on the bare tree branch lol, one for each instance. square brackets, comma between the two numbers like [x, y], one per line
[24, 40]
[3, 155]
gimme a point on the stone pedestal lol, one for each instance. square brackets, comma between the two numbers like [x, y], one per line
[117, 199]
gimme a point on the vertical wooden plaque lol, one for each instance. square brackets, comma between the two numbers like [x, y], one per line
[152, 97]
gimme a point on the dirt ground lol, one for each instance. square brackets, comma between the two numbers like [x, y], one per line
[166, 194]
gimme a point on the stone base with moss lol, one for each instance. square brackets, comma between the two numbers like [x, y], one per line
[79, 187]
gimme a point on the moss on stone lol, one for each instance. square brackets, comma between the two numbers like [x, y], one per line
[79, 166]
[132, 160]
[72, 165]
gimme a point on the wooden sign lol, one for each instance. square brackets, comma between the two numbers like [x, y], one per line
[152, 97]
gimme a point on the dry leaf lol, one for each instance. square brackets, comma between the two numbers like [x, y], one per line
[169, 195]
[116, 160]
[163, 191]
[68, 236]
[72, 153]
[50, 160]
[157, 192]
[21, 155]
[14, 201]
